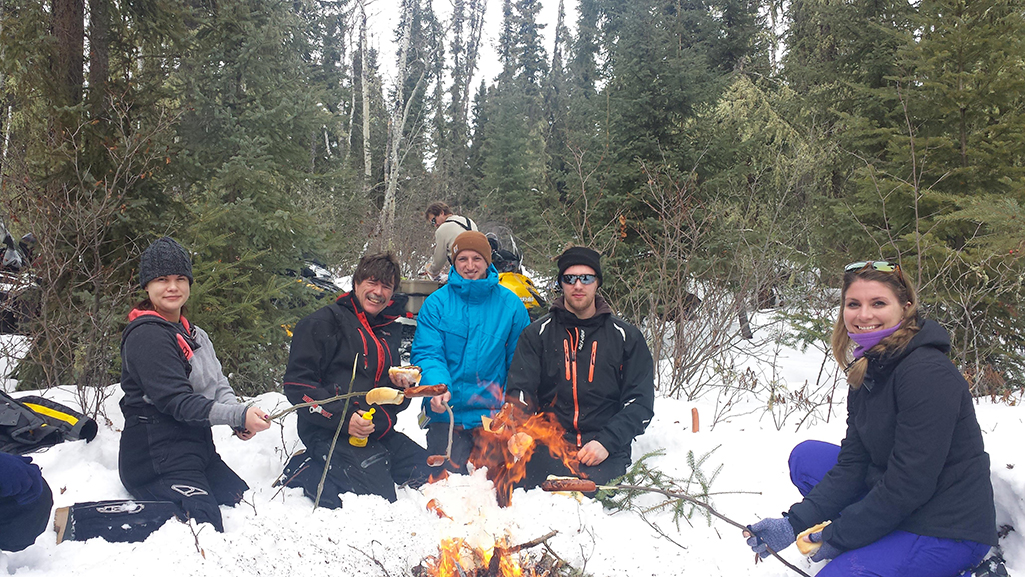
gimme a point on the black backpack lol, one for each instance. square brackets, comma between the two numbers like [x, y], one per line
[31, 423]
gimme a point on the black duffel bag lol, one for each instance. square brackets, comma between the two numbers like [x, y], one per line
[32, 423]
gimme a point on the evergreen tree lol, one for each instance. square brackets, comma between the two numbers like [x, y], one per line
[954, 151]
[514, 161]
[244, 157]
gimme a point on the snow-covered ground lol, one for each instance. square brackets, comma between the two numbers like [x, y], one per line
[278, 533]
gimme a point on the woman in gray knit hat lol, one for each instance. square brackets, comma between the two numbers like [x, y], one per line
[174, 392]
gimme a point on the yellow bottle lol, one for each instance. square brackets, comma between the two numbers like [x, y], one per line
[362, 441]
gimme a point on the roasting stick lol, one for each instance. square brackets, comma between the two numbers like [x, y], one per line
[334, 440]
[284, 412]
[376, 396]
[587, 486]
[448, 449]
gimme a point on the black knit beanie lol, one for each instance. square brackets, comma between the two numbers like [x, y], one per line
[164, 257]
[580, 255]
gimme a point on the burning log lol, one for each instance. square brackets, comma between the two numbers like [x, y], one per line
[494, 566]
[456, 558]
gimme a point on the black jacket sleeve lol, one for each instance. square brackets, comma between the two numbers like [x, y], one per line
[152, 356]
[526, 369]
[637, 397]
[841, 486]
[314, 342]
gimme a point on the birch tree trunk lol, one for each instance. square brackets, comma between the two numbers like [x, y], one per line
[364, 80]
[396, 126]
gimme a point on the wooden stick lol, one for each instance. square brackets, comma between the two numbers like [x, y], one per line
[528, 544]
[323, 402]
[334, 440]
[494, 566]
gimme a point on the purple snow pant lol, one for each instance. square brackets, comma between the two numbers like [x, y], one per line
[899, 554]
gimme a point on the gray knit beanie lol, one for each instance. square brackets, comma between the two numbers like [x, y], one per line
[164, 257]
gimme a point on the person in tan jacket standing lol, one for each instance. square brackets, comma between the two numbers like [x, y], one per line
[448, 226]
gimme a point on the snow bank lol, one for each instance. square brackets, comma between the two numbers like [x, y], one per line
[279, 533]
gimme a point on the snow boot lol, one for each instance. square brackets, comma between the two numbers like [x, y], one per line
[114, 521]
[992, 566]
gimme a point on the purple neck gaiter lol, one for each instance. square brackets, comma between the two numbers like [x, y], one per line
[868, 340]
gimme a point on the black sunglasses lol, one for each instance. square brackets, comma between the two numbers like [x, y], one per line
[571, 279]
[879, 265]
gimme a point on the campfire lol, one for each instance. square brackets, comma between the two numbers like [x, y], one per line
[477, 538]
[477, 519]
[457, 558]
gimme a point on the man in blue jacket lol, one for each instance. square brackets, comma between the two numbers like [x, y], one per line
[465, 338]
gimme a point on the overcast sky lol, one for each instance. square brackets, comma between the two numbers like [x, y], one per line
[383, 18]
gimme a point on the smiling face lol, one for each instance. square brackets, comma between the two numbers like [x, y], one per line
[168, 295]
[373, 295]
[579, 296]
[871, 306]
[471, 265]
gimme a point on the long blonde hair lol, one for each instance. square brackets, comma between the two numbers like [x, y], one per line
[843, 345]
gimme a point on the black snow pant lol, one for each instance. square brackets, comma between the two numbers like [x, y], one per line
[371, 470]
[542, 464]
[162, 459]
[463, 441]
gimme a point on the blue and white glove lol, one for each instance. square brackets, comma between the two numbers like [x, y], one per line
[20, 479]
[777, 533]
[826, 551]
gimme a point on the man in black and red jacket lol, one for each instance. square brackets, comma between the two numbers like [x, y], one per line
[357, 328]
[590, 369]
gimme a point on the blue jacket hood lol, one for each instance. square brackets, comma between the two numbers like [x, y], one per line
[473, 290]
[465, 338]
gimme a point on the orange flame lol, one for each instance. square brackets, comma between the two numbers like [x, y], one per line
[507, 448]
[457, 558]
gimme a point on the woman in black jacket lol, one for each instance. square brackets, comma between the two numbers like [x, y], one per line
[908, 491]
[174, 392]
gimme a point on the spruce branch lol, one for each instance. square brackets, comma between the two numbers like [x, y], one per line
[642, 478]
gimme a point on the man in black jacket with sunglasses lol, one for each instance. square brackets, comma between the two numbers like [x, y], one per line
[589, 369]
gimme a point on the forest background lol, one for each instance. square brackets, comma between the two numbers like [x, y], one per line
[736, 152]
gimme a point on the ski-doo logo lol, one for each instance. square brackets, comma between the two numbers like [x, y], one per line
[188, 490]
[129, 508]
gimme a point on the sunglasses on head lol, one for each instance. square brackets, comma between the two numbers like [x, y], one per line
[571, 279]
[879, 265]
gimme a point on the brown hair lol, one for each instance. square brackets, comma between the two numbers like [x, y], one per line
[436, 208]
[843, 345]
[382, 267]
